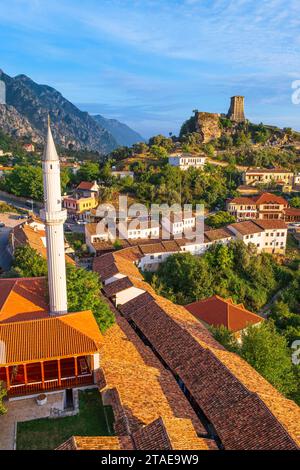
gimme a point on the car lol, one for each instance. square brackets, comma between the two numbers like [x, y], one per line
[81, 222]
[2, 224]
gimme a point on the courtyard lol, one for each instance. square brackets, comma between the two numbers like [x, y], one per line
[34, 430]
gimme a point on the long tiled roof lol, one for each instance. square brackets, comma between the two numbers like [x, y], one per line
[49, 338]
[217, 311]
[220, 382]
[141, 391]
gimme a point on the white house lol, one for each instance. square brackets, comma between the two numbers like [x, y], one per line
[186, 161]
[176, 223]
[267, 235]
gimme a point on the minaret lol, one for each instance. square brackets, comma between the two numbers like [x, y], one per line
[54, 218]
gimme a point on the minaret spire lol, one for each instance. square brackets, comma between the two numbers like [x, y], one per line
[54, 217]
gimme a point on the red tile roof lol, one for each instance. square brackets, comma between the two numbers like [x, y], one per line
[49, 338]
[269, 198]
[85, 185]
[242, 200]
[23, 299]
[217, 311]
[246, 228]
[271, 224]
[223, 384]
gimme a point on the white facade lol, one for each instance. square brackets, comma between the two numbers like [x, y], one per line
[54, 218]
[269, 240]
[176, 226]
[185, 162]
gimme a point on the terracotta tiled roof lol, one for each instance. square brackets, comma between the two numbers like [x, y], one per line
[118, 286]
[218, 234]
[271, 224]
[269, 198]
[242, 200]
[141, 391]
[97, 443]
[217, 311]
[48, 338]
[85, 185]
[292, 211]
[247, 228]
[23, 299]
[25, 234]
[224, 383]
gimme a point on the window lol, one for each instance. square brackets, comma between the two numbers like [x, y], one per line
[258, 245]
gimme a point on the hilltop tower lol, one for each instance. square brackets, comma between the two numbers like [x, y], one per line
[54, 217]
[236, 111]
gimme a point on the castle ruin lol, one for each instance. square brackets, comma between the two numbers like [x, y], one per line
[236, 111]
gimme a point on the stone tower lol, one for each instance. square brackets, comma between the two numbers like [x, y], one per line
[236, 111]
[54, 218]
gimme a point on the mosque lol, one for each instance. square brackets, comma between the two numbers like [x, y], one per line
[42, 346]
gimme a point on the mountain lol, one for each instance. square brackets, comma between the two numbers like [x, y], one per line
[16, 125]
[122, 133]
[71, 127]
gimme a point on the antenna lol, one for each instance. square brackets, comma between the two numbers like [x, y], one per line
[49, 120]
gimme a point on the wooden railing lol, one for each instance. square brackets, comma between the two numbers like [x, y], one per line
[69, 382]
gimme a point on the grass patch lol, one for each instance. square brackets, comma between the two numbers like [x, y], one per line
[47, 434]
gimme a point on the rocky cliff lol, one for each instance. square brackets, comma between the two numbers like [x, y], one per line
[16, 125]
[71, 127]
[208, 126]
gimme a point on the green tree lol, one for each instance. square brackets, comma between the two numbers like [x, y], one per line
[158, 151]
[89, 171]
[84, 293]
[28, 263]
[295, 202]
[161, 141]
[220, 219]
[266, 350]
[24, 181]
[225, 337]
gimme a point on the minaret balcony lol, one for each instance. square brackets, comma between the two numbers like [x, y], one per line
[58, 217]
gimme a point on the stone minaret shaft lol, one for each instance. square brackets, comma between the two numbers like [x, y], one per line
[54, 218]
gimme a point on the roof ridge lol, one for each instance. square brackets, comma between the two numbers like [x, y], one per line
[13, 286]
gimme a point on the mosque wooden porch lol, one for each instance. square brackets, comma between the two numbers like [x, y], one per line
[45, 376]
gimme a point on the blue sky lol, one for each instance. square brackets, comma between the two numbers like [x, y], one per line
[149, 63]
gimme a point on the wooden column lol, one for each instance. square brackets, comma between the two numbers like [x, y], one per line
[43, 374]
[59, 372]
[7, 378]
[76, 366]
[25, 374]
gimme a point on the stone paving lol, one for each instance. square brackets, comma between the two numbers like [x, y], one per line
[25, 410]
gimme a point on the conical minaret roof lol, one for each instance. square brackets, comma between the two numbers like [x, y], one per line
[50, 153]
